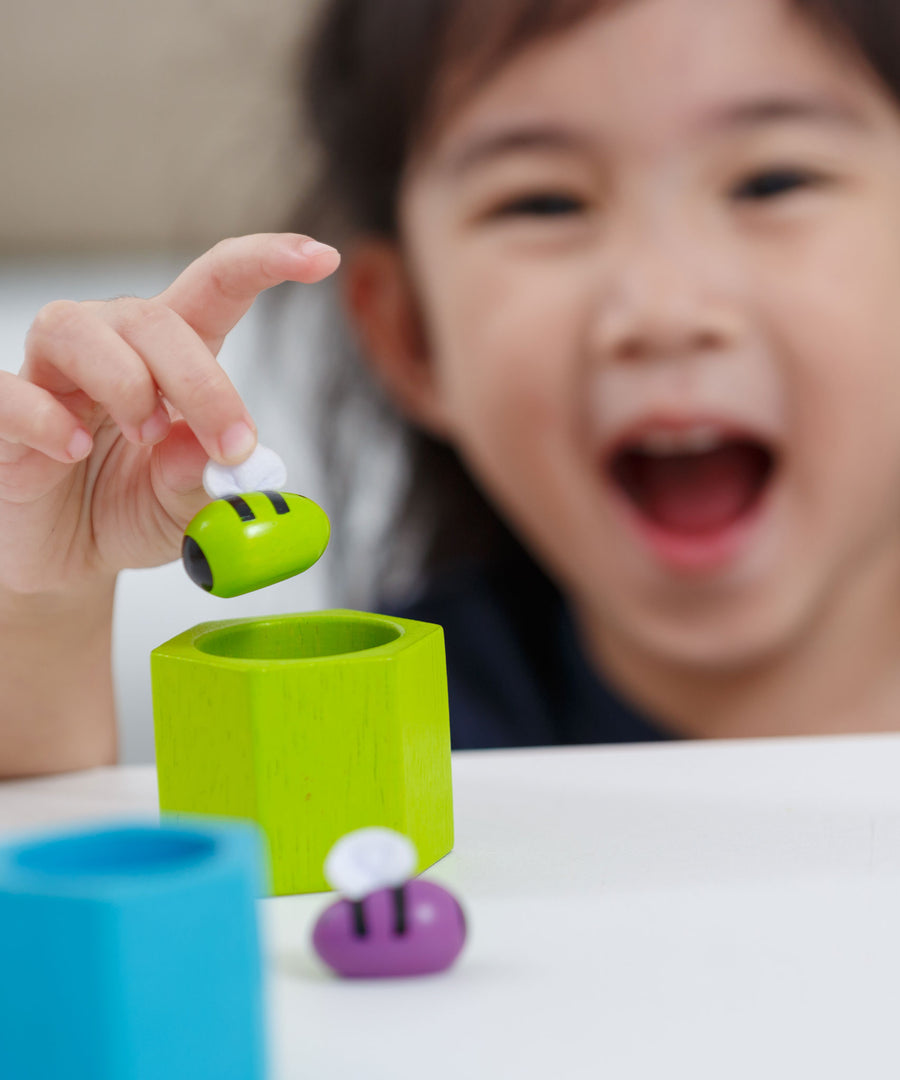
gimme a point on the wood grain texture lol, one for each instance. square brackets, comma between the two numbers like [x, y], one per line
[312, 725]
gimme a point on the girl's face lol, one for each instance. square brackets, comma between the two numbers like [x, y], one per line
[658, 260]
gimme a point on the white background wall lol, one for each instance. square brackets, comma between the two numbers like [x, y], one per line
[148, 124]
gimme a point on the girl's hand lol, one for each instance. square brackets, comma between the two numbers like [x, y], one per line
[105, 431]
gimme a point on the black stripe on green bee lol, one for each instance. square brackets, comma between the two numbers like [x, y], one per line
[240, 507]
[278, 501]
[245, 542]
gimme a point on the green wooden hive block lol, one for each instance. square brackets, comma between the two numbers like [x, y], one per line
[311, 725]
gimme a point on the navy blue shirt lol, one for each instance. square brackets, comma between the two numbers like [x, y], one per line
[516, 673]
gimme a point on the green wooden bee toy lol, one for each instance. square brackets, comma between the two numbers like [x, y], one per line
[244, 542]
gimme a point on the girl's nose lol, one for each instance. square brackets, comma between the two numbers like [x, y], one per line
[665, 302]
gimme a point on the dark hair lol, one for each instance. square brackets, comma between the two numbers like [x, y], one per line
[373, 80]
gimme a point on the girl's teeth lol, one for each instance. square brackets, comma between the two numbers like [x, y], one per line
[696, 440]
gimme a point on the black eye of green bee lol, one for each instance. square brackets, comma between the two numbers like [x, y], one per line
[195, 563]
[245, 542]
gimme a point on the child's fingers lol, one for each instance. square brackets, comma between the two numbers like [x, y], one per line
[69, 347]
[176, 473]
[186, 372]
[32, 419]
[176, 477]
[216, 290]
[122, 354]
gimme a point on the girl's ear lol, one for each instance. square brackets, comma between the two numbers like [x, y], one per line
[383, 306]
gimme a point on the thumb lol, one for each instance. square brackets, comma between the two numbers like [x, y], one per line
[176, 470]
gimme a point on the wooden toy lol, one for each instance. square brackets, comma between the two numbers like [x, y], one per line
[244, 542]
[130, 952]
[386, 925]
[311, 725]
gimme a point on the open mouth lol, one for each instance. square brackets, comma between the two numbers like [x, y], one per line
[693, 484]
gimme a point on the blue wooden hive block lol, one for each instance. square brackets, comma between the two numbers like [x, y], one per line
[130, 952]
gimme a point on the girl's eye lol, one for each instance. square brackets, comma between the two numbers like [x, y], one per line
[774, 183]
[545, 204]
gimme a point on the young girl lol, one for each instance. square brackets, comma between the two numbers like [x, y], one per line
[635, 266]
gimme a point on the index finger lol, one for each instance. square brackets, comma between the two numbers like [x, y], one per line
[217, 290]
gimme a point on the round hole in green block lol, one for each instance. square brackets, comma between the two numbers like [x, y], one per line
[300, 638]
[123, 852]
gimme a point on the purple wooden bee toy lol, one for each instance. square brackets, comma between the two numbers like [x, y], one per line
[386, 925]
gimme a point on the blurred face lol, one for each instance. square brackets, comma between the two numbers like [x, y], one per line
[658, 259]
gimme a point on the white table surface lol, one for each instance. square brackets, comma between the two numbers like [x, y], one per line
[704, 910]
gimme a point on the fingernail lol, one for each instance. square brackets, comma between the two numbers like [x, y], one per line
[313, 247]
[79, 445]
[237, 442]
[152, 430]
